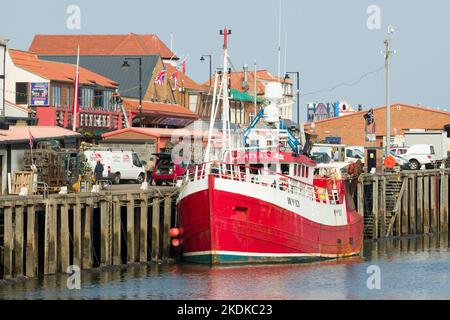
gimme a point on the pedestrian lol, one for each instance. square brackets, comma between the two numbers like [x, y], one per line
[336, 155]
[150, 167]
[98, 171]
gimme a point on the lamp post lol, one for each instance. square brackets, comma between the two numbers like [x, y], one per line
[388, 54]
[298, 93]
[3, 44]
[127, 65]
[202, 59]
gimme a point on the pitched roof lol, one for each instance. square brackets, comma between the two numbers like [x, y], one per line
[184, 80]
[57, 71]
[22, 133]
[125, 44]
[111, 67]
[361, 113]
[159, 132]
[237, 79]
[160, 109]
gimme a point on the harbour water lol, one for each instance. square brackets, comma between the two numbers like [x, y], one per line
[413, 268]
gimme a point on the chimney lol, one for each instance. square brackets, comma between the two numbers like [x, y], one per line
[245, 82]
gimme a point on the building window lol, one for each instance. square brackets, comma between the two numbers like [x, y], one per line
[68, 101]
[87, 98]
[193, 103]
[107, 100]
[56, 96]
[21, 93]
[98, 99]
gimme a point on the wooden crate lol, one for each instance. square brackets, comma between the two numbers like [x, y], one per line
[22, 179]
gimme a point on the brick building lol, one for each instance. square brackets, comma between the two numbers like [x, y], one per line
[351, 128]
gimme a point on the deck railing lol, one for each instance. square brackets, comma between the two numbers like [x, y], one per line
[265, 178]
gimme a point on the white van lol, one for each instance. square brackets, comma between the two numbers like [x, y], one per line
[119, 165]
[420, 154]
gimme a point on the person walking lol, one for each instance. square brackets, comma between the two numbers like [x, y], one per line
[150, 167]
[98, 171]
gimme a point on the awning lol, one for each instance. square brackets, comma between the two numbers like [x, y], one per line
[243, 96]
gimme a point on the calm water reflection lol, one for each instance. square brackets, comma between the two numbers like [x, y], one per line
[415, 268]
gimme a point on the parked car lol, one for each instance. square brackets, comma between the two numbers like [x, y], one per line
[399, 151]
[321, 157]
[400, 161]
[118, 165]
[166, 171]
[353, 154]
[419, 155]
[437, 138]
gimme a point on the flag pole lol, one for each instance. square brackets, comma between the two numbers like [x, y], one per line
[76, 89]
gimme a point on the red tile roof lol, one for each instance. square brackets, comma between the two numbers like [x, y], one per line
[57, 71]
[160, 132]
[22, 133]
[184, 80]
[238, 77]
[160, 109]
[128, 44]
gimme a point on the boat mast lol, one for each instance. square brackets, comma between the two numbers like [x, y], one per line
[212, 119]
[226, 141]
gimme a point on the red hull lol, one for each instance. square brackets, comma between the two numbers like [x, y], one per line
[224, 227]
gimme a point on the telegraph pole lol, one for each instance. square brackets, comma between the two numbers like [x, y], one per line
[388, 53]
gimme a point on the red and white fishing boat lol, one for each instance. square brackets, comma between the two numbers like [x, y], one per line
[263, 204]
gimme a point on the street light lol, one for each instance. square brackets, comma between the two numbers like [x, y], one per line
[126, 65]
[388, 53]
[202, 59]
[298, 94]
[3, 44]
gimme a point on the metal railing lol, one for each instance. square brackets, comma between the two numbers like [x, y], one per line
[265, 178]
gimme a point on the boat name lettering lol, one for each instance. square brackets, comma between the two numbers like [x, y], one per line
[293, 202]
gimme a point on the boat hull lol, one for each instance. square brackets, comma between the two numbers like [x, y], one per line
[223, 227]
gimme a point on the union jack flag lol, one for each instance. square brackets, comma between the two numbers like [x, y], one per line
[175, 78]
[160, 78]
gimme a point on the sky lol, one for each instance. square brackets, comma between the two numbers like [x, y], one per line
[329, 42]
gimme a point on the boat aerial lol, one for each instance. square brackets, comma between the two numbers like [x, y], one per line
[264, 200]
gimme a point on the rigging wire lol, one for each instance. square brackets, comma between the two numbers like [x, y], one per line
[345, 84]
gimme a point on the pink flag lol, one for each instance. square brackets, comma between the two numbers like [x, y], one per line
[184, 66]
[31, 139]
[76, 105]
